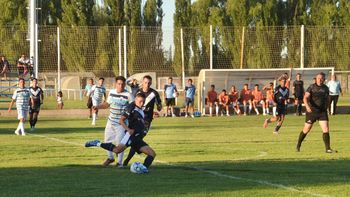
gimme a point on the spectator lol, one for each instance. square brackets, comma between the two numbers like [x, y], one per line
[224, 103]
[233, 97]
[334, 90]
[258, 98]
[170, 93]
[246, 98]
[190, 91]
[5, 67]
[22, 65]
[212, 98]
[60, 100]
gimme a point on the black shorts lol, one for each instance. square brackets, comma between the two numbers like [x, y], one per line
[36, 109]
[89, 103]
[313, 116]
[281, 110]
[298, 97]
[136, 143]
[170, 101]
[189, 102]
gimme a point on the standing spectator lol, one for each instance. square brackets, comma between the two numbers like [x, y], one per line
[86, 92]
[21, 96]
[334, 90]
[5, 67]
[258, 98]
[233, 98]
[134, 86]
[298, 91]
[22, 65]
[212, 99]
[190, 90]
[224, 102]
[59, 100]
[170, 92]
[246, 98]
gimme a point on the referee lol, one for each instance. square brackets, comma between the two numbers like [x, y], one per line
[316, 103]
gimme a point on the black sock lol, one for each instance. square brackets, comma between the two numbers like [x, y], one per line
[130, 155]
[148, 161]
[296, 108]
[299, 109]
[302, 136]
[34, 121]
[108, 146]
[31, 123]
[327, 141]
[277, 128]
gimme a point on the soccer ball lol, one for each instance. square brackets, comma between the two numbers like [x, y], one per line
[138, 168]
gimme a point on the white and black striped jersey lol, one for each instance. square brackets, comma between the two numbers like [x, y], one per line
[21, 96]
[97, 92]
[118, 102]
[35, 94]
[152, 97]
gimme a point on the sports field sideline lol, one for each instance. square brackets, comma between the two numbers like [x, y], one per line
[208, 156]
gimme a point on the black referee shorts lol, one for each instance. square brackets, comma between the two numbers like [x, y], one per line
[314, 116]
[136, 142]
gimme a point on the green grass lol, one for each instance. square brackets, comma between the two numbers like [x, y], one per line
[219, 156]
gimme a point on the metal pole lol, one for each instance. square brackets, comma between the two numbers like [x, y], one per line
[120, 50]
[211, 47]
[36, 56]
[302, 52]
[242, 48]
[125, 55]
[32, 23]
[58, 60]
[182, 59]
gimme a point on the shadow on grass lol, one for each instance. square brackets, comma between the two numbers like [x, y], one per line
[230, 178]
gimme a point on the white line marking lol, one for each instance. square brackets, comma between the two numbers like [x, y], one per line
[211, 172]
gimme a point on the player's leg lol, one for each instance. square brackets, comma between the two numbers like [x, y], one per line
[250, 106]
[187, 106]
[150, 155]
[280, 120]
[325, 135]
[191, 108]
[303, 133]
[244, 107]
[35, 115]
[216, 108]
[227, 110]
[31, 118]
[120, 133]
[296, 105]
[110, 136]
[210, 108]
[270, 120]
[335, 101]
[255, 106]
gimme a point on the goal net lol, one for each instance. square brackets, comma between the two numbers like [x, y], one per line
[225, 78]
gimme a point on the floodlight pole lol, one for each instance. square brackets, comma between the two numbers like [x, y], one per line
[120, 50]
[302, 47]
[182, 59]
[32, 32]
[125, 55]
[58, 60]
[211, 47]
[242, 48]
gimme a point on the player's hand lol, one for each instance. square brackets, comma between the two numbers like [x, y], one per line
[131, 131]
[308, 109]
[9, 110]
[159, 108]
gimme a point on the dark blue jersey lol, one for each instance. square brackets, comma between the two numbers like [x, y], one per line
[318, 97]
[281, 94]
[135, 117]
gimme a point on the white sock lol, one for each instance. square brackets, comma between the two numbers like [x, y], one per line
[217, 110]
[120, 157]
[256, 110]
[267, 110]
[110, 154]
[245, 109]
[274, 111]
[263, 109]
[210, 110]
[21, 127]
[250, 108]
[93, 118]
[18, 127]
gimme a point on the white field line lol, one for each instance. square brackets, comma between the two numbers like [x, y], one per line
[211, 172]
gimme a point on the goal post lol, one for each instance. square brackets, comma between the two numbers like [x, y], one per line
[225, 78]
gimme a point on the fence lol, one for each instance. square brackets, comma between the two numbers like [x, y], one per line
[180, 52]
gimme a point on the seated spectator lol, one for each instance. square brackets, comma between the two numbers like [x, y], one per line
[258, 98]
[5, 67]
[22, 65]
[246, 98]
[233, 97]
[212, 98]
[224, 103]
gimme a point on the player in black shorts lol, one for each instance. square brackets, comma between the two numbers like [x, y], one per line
[281, 95]
[152, 97]
[298, 91]
[316, 103]
[135, 132]
[36, 99]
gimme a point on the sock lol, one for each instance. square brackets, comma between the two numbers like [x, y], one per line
[274, 111]
[217, 110]
[107, 146]
[245, 109]
[326, 140]
[18, 127]
[130, 155]
[210, 110]
[250, 109]
[93, 118]
[267, 110]
[299, 108]
[277, 128]
[148, 161]
[263, 109]
[110, 155]
[296, 108]
[34, 121]
[21, 126]
[302, 136]
[256, 111]
[31, 123]
[120, 157]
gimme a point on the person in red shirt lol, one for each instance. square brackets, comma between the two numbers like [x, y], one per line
[212, 98]
[233, 99]
[269, 90]
[258, 98]
[224, 102]
[246, 98]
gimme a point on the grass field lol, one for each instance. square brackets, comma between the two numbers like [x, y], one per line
[218, 156]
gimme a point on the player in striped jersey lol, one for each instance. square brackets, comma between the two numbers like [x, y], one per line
[36, 99]
[97, 92]
[118, 99]
[21, 97]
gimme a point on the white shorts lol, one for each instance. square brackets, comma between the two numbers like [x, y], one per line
[22, 114]
[96, 102]
[114, 133]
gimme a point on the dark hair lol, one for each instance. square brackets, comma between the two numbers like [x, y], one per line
[245, 84]
[298, 74]
[121, 78]
[34, 79]
[212, 85]
[256, 85]
[271, 83]
[60, 93]
[101, 78]
[190, 80]
[141, 94]
[322, 73]
[170, 78]
[20, 79]
[147, 77]
[91, 79]
[223, 90]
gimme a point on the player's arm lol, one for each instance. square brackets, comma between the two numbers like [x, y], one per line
[158, 102]
[31, 101]
[11, 104]
[122, 121]
[306, 101]
[42, 97]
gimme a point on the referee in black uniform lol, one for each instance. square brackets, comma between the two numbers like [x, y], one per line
[316, 103]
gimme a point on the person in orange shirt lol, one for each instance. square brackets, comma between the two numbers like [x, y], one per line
[269, 89]
[246, 98]
[224, 102]
[212, 98]
[258, 98]
[233, 99]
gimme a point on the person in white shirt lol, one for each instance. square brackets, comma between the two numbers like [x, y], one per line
[334, 91]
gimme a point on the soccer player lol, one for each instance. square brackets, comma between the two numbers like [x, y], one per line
[152, 97]
[36, 99]
[86, 92]
[118, 99]
[190, 90]
[224, 102]
[233, 97]
[316, 103]
[269, 99]
[280, 96]
[212, 98]
[134, 86]
[134, 115]
[97, 92]
[298, 91]
[334, 91]
[169, 91]
[246, 98]
[21, 96]
[258, 98]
